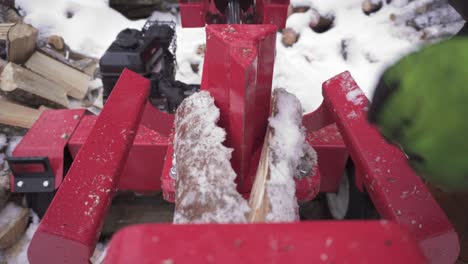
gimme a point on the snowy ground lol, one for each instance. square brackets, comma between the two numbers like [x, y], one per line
[89, 26]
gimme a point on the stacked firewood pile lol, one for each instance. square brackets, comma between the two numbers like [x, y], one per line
[36, 74]
[432, 19]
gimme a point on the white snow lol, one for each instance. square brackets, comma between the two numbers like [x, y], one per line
[206, 191]
[372, 43]
[18, 253]
[287, 149]
[14, 141]
[90, 30]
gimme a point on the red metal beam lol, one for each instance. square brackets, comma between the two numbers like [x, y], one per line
[306, 242]
[396, 191]
[69, 230]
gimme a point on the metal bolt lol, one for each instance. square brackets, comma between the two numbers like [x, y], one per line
[45, 184]
[64, 136]
[76, 117]
[20, 184]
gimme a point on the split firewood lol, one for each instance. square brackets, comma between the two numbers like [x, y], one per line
[21, 43]
[289, 37]
[22, 85]
[371, 6]
[17, 115]
[206, 192]
[56, 42]
[84, 64]
[285, 155]
[13, 223]
[73, 81]
[4, 28]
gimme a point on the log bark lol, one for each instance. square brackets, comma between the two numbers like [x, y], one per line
[73, 81]
[22, 85]
[21, 43]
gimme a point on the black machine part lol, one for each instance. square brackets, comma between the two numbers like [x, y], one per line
[151, 53]
[32, 174]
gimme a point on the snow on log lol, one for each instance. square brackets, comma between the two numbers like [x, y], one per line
[206, 192]
[286, 154]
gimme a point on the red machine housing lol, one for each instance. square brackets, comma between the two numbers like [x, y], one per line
[127, 147]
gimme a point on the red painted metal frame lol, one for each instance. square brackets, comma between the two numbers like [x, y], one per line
[144, 166]
[305, 242]
[71, 226]
[55, 128]
[239, 66]
[197, 13]
[382, 169]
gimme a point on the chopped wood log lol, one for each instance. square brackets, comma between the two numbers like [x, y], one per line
[21, 43]
[206, 192]
[73, 81]
[258, 202]
[289, 37]
[22, 85]
[56, 42]
[17, 115]
[13, 222]
[4, 28]
[13, 17]
[371, 6]
[84, 64]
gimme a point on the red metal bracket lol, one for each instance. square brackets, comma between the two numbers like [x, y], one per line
[304, 242]
[56, 128]
[396, 191]
[70, 228]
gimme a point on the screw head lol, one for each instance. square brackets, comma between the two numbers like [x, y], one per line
[76, 117]
[64, 136]
[20, 184]
[45, 184]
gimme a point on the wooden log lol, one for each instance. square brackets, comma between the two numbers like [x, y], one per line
[21, 43]
[73, 81]
[258, 202]
[84, 64]
[13, 17]
[22, 85]
[13, 222]
[17, 115]
[206, 192]
[4, 28]
[371, 6]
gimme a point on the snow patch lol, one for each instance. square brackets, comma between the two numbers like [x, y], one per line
[372, 43]
[288, 149]
[206, 192]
